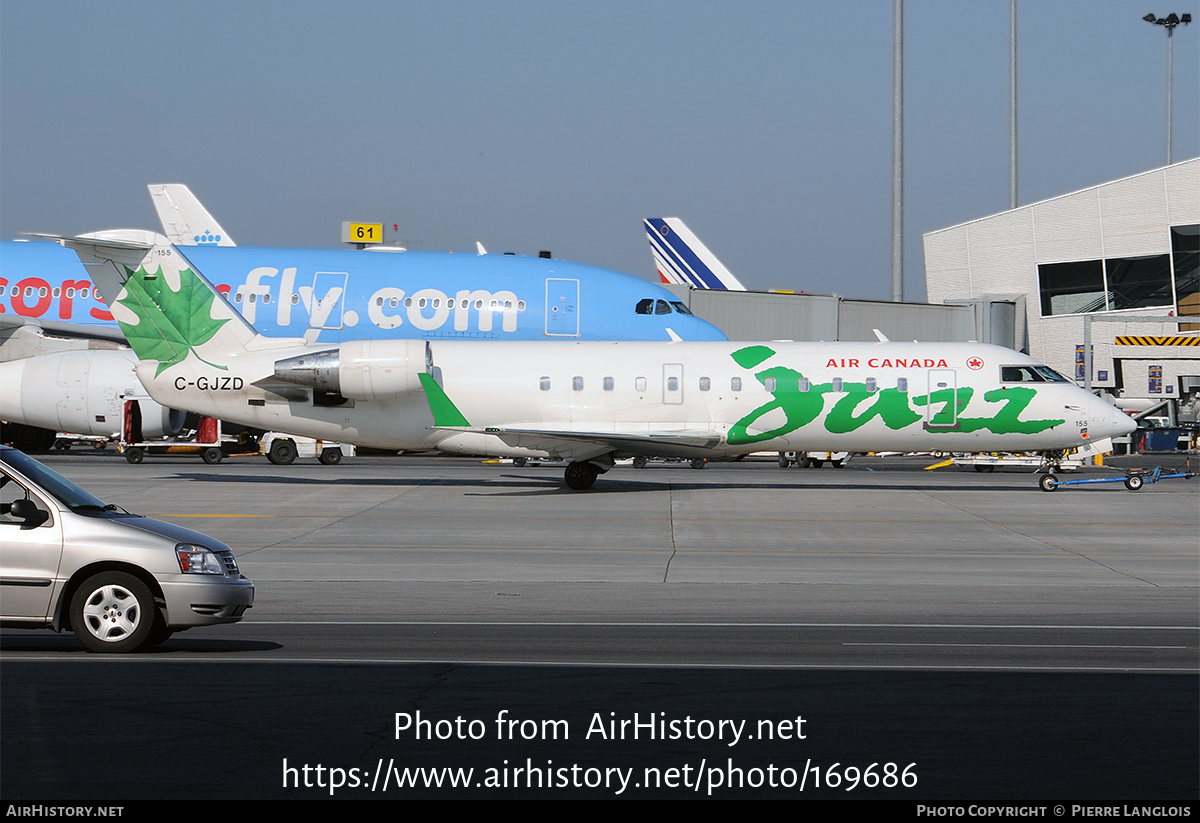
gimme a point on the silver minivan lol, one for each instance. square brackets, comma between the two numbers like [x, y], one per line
[121, 582]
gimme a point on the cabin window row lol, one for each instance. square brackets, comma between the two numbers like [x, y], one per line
[803, 384]
[42, 291]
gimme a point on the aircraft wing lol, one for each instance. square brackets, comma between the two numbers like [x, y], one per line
[63, 329]
[583, 445]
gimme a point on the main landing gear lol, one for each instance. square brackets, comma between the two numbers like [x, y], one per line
[581, 475]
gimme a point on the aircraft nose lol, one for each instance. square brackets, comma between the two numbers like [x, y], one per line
[1109, 421]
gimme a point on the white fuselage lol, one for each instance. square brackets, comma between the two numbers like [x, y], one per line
[744, 396]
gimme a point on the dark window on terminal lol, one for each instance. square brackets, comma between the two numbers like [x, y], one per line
[645, 306]
[1185, 247]
[1072, 288]
[1139, 282]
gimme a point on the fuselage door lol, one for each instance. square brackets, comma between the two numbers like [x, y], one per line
[672, 384]
[328, 300]
[562, 307]
[941, 410]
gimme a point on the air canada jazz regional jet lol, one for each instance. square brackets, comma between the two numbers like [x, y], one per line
[586, 402]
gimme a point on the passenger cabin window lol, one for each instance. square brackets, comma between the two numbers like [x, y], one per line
[672, 384]
[870, 384]
[640, 384]
[902, 384]
[735, 384]
[608, 384]
[804, 384]
[577, 383]
[769, 383]
[837, 384]
[705, 384]
[544, 384]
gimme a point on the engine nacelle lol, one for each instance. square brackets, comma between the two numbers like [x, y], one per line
[81, 392]
[361, 369]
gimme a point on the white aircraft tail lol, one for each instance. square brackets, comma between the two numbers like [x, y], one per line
[164, 306]
[683, 260]
[184, 220]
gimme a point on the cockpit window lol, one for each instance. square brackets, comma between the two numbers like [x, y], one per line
[661, 307]
[1020, 374]
[682, 309]
[1030, 374]
[645, 306]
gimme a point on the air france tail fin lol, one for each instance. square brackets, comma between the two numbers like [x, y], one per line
[164, 306]
[184, 220]
[683, 260]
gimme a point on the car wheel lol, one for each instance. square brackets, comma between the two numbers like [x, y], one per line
[212, 455]
[581, 475]
[1133, 482]
[1048, 483]
[113, 612]
[282, 452]
[134, 455]
[330, 457]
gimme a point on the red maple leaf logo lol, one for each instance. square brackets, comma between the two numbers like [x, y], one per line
[974, 363]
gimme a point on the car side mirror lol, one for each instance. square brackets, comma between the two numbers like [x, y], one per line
[26, 510]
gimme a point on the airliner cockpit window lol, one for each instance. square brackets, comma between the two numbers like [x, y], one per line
[1020, 374]
[645, 306]
[661, 307]
[680, 308]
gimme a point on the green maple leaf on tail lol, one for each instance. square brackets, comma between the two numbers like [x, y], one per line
[170, 323]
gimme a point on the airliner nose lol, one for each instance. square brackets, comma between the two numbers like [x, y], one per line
[1106, 420]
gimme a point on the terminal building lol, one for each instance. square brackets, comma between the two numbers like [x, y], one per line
[1105, 278]
[1100, 284]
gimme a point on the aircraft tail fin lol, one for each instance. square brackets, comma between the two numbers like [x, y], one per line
[184, 220]
[683, 260]
[164, 306]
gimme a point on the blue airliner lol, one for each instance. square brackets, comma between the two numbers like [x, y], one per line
[327, 294]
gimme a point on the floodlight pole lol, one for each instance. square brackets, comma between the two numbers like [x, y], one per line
[898, 156]
[1169, 23]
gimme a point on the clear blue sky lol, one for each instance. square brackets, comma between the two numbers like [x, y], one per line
[560, 125]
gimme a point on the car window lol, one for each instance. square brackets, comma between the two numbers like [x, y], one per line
[54, 483]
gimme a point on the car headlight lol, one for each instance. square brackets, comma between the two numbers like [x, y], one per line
[198, 560]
